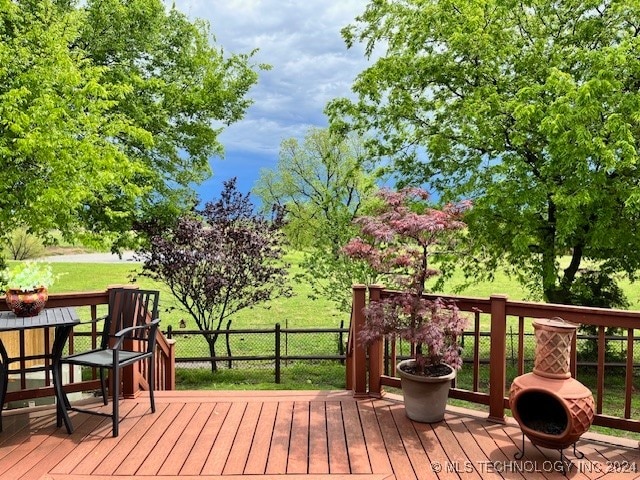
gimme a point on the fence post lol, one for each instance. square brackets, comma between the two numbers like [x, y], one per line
[359, 357]
[376, 357]
[278, 356]
[341, 341]
[498, 358]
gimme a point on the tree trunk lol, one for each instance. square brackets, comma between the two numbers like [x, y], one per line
[211, 341]
[553, 293]
[556, 290]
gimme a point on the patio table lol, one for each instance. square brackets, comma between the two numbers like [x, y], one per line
[63, 320]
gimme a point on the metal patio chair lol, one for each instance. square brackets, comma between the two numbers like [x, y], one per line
[128, 337]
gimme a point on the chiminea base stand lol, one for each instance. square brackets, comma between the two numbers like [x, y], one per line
[576, 453]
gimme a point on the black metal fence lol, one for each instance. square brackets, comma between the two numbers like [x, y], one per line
[268, 347]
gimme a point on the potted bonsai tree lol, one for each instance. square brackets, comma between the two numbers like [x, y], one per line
[398, 242]
[27, 287]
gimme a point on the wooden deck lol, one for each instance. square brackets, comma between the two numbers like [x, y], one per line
[267, 434]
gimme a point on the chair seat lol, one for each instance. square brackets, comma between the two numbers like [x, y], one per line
[104, 358]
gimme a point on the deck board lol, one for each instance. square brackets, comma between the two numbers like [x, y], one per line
[338, 456]
[241, 444]
[378, 455]
[289, 435]
[299, 439]
[356, 447]
[224, 441]
[277, 460]
[178, 455]
[203, 446]
[318, 442]
[420, 463]
[400, 462]
[259, 453]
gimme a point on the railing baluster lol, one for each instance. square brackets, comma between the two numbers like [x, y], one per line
[277, 352]
[628, 384]
[476, 352]
[600, 369]
[520, 345]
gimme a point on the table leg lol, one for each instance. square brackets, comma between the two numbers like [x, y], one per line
[62, 402]
[4, 377]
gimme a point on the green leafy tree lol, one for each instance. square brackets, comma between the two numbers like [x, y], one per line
[109, 112]
[322, 183]
[530, 109]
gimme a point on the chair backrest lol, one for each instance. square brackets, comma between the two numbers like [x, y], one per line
[130, 307]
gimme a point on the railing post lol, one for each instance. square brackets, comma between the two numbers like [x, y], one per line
[348, 361]
[359, 357]
[376, 356]
[170, 369]
[277, 352]
[498, 358]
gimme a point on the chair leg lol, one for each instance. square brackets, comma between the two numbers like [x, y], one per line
[151, 384]
[116, 400]
[103, 386]
[4, 382]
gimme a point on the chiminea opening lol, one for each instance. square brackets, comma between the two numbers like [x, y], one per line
[542, 412]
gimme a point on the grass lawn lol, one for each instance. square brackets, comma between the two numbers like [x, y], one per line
[298, 311]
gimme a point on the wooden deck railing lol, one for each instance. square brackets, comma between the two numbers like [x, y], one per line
[90, 305]
[366, 374]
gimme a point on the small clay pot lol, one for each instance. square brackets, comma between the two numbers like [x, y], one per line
[27, 303]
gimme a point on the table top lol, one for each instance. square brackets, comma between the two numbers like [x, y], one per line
[48, 317]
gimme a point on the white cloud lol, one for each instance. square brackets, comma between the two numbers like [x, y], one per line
[311, 64]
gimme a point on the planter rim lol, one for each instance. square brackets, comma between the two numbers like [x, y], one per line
[31, 290]
[422, 378]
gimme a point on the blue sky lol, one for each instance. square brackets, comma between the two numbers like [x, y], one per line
[301, 40]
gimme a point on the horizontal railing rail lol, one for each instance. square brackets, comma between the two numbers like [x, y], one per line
[370, 369]
[88, 305]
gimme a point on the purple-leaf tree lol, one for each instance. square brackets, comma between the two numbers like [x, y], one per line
[219, 260]
[399, 242]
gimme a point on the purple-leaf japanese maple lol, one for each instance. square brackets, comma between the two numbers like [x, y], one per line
[398, 242]
[220, 260]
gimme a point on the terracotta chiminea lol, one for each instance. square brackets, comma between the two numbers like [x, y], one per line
[552, 408]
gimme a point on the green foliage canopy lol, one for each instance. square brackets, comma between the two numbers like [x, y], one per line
[531, 109]
[109, 111]
[323, 182]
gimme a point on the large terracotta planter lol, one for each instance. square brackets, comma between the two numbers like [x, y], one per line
[425, 398]
[27, 303]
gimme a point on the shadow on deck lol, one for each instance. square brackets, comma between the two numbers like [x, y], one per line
[302, 434]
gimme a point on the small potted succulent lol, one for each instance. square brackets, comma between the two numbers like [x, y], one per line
[27, 287]
[398, 242]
